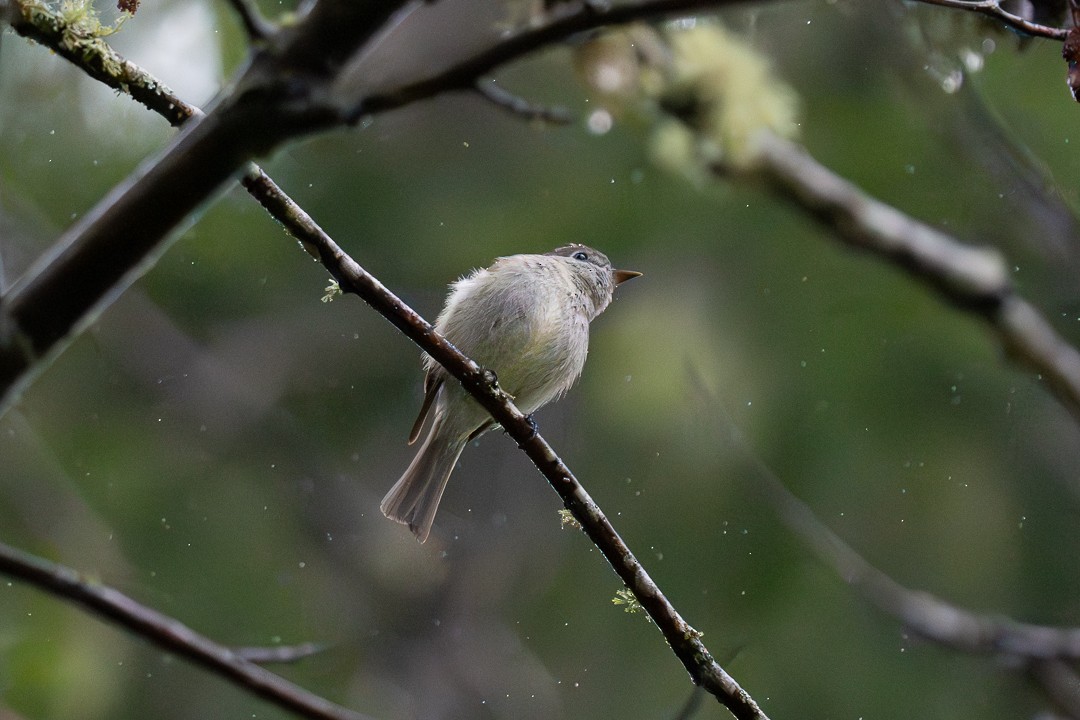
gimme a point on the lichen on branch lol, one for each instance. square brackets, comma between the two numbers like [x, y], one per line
[709, 90]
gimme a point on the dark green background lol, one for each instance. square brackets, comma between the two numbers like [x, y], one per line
[217, 443]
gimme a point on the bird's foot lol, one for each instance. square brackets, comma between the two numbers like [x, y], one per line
[532, 424]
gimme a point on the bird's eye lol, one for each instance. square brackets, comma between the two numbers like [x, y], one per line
[581, 256]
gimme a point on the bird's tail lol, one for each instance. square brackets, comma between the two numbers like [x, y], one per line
[415, 497]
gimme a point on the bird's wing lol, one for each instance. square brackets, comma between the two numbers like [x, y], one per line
[432, 382]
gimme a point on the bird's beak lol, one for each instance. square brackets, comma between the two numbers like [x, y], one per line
[622, 276]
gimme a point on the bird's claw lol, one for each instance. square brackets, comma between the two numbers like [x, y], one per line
[532, 424]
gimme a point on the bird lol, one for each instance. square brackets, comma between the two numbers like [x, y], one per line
[526, 318]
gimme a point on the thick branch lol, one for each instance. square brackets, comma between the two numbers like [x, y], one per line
[169, 634]
[94, 261]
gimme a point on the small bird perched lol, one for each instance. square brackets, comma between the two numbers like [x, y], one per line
[526, 318]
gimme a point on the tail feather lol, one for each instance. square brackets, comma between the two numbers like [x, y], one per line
[415, 496]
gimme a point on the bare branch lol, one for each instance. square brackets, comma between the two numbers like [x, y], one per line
[169, 634]
[1043, 651]
[992, 8]
[587, 16]
[972, 279]
[519, 106]
[921, 612]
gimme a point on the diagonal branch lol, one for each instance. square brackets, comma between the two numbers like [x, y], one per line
[921, 612]
[1043, 651]
[683, 639]
[96, 58]
[170, 634]
[971, 279]
[281, 94]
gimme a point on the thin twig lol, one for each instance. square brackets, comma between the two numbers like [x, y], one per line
[169, 634]
[519, 106]
[992, 8]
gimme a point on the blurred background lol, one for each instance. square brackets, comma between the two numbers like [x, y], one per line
[216, 445]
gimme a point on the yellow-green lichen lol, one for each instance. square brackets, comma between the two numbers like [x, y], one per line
[333, 290]
[720, 93]
[78, 31]
[626, 598]
[567, 518]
